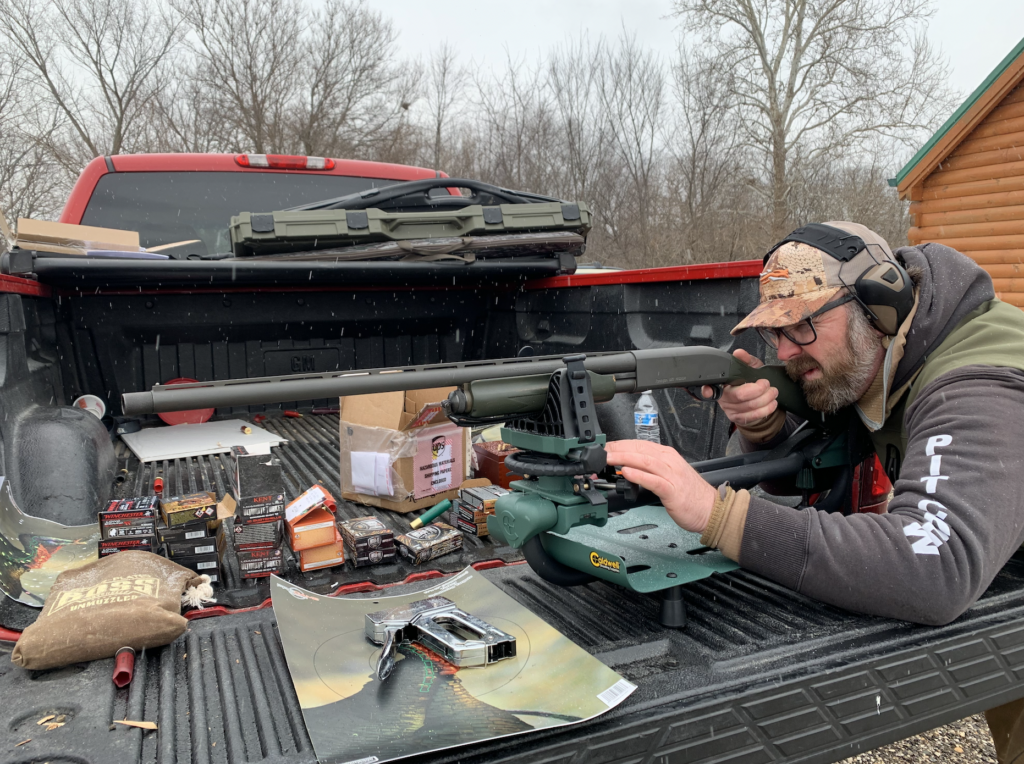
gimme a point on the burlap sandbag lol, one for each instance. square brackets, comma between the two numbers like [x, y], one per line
[130, 599]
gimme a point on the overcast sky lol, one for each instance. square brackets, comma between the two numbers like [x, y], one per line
[974, 34]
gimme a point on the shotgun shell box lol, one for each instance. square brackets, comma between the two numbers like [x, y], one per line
[471, 515]
[310, 520]
[261, 533]
[176, 549]
[481, 498]
[428, 542]
[190, 508]
[200, 563]
[258, 563]
[479, 530]
[367, 534]
[325, 556]
[135, 543]
[190, 532]
[258, 483]
[373, 557]
[254, 507]
[128, 517]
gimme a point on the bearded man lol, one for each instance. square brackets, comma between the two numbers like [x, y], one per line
[934, 366]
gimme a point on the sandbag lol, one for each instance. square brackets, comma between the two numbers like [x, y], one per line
[129, 599]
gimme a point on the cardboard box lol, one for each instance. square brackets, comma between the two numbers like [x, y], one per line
[310, 521]
[68, 239]
[428, 542]
[191, 532]
[134, 543]
[258, 563]
[200, 563]
[264, 533]
[190, 508]
[326, 556]
[367, 534]
[176, 549]
[128, 517]
[489, 462]
[258, 482]
[399, 451]
[373, 557]
[481, 498]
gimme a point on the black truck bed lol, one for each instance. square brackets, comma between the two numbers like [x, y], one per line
[759, 674]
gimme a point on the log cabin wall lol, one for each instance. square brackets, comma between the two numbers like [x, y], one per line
[966, 185]
[974, 201]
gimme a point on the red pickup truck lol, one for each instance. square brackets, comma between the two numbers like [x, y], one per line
[759, 673]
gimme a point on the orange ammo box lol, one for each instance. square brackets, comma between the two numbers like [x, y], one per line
[310, 519]
[323, 556]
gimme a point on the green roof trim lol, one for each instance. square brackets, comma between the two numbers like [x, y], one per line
[964, 108]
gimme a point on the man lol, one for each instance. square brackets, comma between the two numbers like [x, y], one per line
[934, 366]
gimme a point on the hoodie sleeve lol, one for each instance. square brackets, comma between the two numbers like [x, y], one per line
[956, 516]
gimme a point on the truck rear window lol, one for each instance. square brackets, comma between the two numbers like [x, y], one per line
[167, 207]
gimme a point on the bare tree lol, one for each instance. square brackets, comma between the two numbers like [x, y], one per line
[633, 97]
[446, 82]
[97, 61]
[575, 78]
[515, 128]
[354, 95]
[815, 78]
[248, 55]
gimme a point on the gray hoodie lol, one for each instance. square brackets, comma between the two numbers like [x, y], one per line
[958, 508]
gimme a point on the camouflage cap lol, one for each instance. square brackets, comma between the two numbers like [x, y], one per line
[798, 279]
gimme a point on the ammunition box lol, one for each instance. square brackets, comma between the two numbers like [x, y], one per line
[482, 497]
[474, 529]
[190, 508]
[176, 549]
[471, 515]
[258, 484]
[428, 542]
[258, 563]
[254, 507]
[134, 543]
[262, 533]
[200, 563]
[128, 517]
[366, 534]
[325, 556]
[189, 532]
[373, 557]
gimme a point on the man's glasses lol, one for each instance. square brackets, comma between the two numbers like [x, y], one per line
[799, 334]
[802, 333]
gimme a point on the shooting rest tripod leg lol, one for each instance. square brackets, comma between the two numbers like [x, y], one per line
[673, 608]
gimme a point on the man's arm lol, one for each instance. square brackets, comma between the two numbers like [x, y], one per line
[956, 517]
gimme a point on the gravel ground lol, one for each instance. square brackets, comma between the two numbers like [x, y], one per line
[964, 742]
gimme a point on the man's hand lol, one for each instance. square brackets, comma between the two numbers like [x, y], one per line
[750, 402]
[660, 469]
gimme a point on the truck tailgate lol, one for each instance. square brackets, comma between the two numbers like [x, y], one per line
[759, 674]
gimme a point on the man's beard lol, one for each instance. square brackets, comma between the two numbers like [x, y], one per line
[845, 376]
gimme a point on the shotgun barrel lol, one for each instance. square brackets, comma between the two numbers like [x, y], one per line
[632, 370]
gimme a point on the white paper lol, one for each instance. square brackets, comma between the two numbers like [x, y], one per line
[304, 503]
[181, 441]
[371, 473]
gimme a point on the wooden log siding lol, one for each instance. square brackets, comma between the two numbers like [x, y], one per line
[974, 200]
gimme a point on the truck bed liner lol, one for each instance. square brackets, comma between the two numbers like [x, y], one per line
[759, 675]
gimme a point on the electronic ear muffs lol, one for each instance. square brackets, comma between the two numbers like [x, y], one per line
[885, 290]
[887, 293]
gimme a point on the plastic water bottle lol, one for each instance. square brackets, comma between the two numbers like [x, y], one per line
[645, 419]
